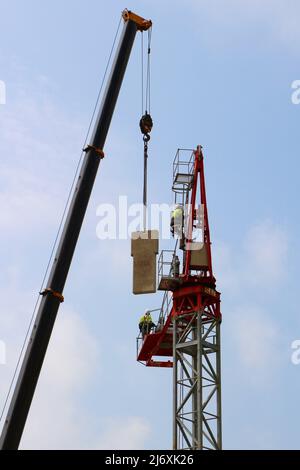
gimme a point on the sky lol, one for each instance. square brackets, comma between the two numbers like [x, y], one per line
[221, 76]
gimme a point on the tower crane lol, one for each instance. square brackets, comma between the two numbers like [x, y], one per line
[52, 295]
[187, 334]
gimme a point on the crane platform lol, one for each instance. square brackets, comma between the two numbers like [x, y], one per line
[156, 344]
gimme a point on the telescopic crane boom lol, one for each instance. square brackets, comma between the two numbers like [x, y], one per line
[53, 294]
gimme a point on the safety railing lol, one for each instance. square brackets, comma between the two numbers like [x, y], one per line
[183, 170]
[165, 310]
[155, 315]
[165, 264]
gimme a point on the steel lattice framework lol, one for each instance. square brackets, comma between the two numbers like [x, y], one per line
[197, 376]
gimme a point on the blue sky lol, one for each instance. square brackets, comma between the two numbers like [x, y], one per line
[221, 77]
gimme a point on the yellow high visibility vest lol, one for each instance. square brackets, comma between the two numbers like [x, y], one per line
[177, 213]
[145, 319]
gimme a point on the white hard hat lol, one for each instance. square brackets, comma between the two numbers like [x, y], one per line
[147, 312]
[178, 206]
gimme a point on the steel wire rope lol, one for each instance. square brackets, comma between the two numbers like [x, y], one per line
[148, 79]
[142, 66]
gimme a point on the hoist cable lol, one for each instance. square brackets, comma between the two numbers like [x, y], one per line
[148, 104]
[146, 121]
[145, 186]
[142, 64]
[60, 224]
[146, 89]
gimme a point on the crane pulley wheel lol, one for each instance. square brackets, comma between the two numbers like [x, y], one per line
[146, 125]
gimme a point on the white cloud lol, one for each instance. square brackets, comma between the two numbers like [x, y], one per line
[224, 263]
[259, 260]
[55, 419]
[266, 247]
[72, 354]
[256, 337]
[126, 433]
[245, 272]
[58, 417]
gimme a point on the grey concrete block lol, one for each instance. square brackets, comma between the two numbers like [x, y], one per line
[144, 248]
[199, 257]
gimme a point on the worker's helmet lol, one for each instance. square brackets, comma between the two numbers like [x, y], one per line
[178, 206]
[147, 312]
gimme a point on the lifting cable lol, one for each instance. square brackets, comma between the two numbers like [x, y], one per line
[29, 329]
[146, 122]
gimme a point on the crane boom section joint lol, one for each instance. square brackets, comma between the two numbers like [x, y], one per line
[54, 293]
[97, 150]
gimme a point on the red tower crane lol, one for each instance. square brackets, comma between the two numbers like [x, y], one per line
[187, 335]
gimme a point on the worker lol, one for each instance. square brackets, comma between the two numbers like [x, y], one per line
[146, 324]
[175, 266]
[176, 223]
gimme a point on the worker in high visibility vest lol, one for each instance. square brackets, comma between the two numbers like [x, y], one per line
[146, 323]
[176, 223]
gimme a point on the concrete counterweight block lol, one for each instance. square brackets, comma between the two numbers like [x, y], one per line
[144, 248]
[199, 259]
